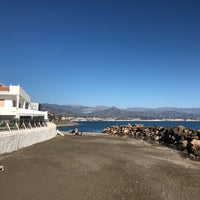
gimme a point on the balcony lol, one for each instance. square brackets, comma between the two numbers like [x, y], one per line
[8, 111]
[14, 112]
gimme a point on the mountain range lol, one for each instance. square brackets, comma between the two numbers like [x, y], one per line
[124, 114]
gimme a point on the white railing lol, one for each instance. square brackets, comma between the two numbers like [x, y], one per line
[13, 125]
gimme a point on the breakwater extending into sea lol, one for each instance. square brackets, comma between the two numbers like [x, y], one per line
[182, 138]
[98, 126]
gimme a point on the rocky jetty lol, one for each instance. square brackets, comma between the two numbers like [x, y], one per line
[181, 138]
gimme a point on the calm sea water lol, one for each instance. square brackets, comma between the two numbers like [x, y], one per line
[99, 126]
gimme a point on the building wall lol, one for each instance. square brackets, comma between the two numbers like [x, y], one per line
[8, 101]
[34, 106]
[18, 90]
[14, 140]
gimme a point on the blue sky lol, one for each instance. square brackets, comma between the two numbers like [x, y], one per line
[142, 53]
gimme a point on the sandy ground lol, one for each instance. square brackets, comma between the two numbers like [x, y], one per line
[98, 168]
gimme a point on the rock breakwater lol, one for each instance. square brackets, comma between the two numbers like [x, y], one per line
[180, 137]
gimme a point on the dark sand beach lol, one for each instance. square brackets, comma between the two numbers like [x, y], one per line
[96, 168]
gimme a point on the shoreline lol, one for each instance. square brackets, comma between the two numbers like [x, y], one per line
[86, 133]
[138, 120]
[61, 124]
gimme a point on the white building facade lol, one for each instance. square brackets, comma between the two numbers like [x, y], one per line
[21, 122]
[15, 104]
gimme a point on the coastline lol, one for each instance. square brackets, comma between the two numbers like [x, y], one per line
[98, 126]
[86, 133]
[69, 123]
[135, 120]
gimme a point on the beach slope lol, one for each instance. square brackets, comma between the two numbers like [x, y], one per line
[98, 167]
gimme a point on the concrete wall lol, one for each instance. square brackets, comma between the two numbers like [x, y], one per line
[14, 140]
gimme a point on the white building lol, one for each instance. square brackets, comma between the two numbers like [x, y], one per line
[15, 104]
[21, 122]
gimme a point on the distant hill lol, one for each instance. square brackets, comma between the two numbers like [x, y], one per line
[71, 110]
[128, 113]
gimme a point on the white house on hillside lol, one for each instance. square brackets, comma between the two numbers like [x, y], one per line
[15, 104]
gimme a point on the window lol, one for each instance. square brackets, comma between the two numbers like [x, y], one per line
[27, 105]
[2, 102]
[14, 104]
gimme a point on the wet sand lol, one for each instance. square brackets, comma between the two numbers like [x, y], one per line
[98, 168]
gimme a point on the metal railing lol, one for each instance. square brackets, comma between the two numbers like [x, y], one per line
[13, 124]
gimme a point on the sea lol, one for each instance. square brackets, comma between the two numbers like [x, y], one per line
[98, 126]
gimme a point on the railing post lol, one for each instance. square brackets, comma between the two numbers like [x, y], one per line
[24, 125]
[29, 124]
[7, 125]
[16, 124]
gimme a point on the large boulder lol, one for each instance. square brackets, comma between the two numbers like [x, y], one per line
[195, 144]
